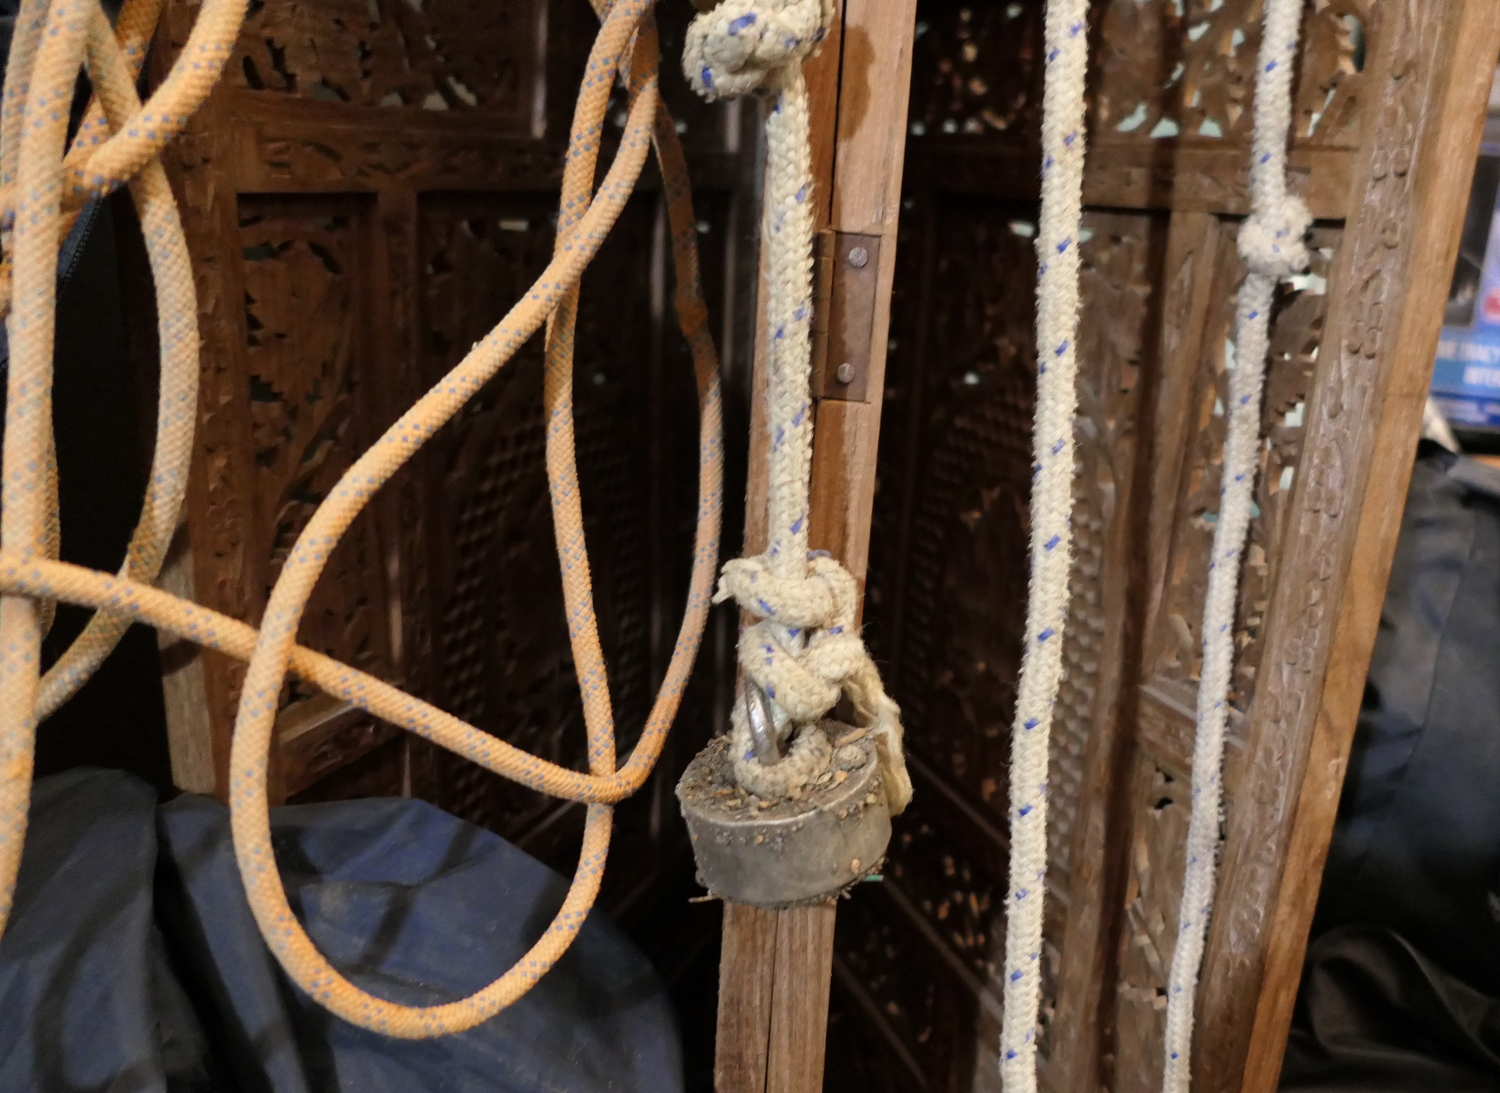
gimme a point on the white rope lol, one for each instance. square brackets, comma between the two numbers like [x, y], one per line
[1271, 243]
[1051, 531]
[806, 651]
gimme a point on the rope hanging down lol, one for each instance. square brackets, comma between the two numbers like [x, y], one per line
[118, 145]
[806, 650]
[1051, 529]
[1270, 242]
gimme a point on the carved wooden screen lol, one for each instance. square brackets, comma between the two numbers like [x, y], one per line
[368, 191]
[916, 1002]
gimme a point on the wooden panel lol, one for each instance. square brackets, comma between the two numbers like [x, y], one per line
[1456, 115]
[1174, 646]
[1403, 224]
[1117, 342]
[949, 556]
[457, 55]
[1161, 804]
[748, 961]
[1084, 1007]
[1164, 68]
[1170, 117]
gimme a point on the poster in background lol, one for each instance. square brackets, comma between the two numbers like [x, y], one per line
[1466, 376]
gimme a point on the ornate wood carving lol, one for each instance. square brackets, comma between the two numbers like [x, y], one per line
[456, 55]
[1163, 69]
[1174, 651]
[948, 551]
[1161, 802]
[1313, 573]
[1170, 112]
[365, 195]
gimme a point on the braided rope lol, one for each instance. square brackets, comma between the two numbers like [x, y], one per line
[1271, 243]
[1051, 530]
[805, 650]
[118, 144]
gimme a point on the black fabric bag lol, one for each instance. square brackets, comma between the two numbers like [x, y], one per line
[132, 962]
[1402, 975]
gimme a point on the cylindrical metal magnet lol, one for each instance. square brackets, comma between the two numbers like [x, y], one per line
[789, 852]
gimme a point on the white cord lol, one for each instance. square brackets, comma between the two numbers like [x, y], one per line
[806, 650]
[1051, 531]
[1271, 243]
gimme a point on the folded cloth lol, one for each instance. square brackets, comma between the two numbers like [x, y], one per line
[1376, 1016]
[133, 963]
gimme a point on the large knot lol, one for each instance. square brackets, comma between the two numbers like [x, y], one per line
[1271, 243]
[740, 46]
[806, 652]
[806, 643]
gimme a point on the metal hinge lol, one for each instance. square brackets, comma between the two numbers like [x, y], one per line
[845, 266]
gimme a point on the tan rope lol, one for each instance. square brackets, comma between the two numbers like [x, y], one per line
[118, 144]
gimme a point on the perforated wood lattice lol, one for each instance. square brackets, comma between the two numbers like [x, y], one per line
[1161, 69]
[962, 470]
[903, 997]
[500, 624]
[1161, 803]
[957, 895]
[1296, 333]
[449, 55]
[1122, 258]
[1171, 68]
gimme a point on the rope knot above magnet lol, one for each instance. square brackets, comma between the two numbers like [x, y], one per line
[741, 46]
[804, 653]
[1271, 243]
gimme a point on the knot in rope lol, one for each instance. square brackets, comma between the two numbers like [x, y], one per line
[805, 653]
[806, 643]
[1271, 243]
[742, 45]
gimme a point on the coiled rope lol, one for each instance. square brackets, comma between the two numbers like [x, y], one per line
[118, 145]
[1271, 243]
[805, 651]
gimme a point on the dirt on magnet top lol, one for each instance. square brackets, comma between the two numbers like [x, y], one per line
[710, 784]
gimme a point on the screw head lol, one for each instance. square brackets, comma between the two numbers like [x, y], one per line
[845, 373]
[859, 257]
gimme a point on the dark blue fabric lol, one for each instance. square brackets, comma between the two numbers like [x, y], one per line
[78, 961]
[132, 962]
[1400, 987]
[1417, 845]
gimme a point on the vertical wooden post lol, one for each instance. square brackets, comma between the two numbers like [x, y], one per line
[775, 968]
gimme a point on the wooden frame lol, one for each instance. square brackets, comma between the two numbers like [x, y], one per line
[1394, 185]
[776, 966]
[1429, 70]
[1388, 189]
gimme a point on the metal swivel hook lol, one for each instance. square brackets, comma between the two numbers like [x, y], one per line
[762, 720]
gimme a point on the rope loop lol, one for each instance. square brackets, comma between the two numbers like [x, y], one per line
[54, 39]
[1271, 242]
[742, 46]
